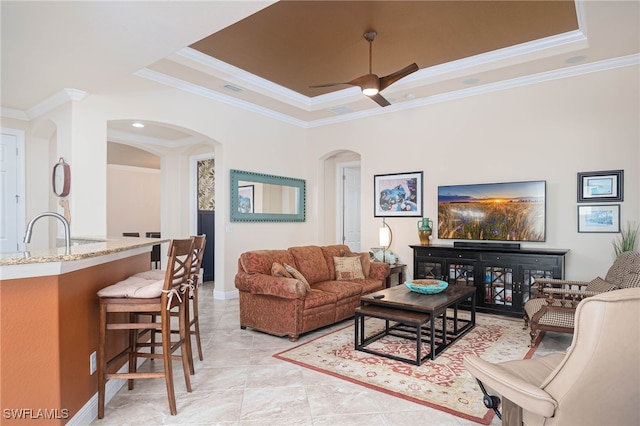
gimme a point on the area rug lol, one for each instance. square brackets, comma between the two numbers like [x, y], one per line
[443, 384]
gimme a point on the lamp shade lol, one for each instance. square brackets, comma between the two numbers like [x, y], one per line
[385, 236]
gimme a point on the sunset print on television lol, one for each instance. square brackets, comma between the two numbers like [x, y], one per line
[511, 211]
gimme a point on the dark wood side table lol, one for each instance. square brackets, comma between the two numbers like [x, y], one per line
[397, 269]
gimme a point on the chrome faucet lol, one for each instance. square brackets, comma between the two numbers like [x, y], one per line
[65, 223]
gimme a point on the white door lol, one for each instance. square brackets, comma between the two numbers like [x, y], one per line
[350, 208]
[11, 184]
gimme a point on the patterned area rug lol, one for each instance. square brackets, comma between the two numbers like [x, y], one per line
[443, 384]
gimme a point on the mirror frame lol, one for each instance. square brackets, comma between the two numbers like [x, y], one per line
[239, 175]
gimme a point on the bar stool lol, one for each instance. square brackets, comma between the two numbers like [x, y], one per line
[194, 322]
[135, 296]
[155, 250]
[199, 242]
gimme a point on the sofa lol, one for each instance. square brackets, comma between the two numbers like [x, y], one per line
[293, 291]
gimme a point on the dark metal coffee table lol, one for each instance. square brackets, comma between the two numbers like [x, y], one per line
[412, 315]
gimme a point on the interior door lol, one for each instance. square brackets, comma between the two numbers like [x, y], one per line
[351, 207]
[206, 225]
[12, 199]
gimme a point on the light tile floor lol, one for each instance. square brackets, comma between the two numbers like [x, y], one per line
[240, 383]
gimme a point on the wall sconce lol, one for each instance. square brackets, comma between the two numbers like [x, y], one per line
[385, 237]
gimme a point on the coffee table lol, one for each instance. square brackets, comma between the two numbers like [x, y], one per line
[412, 315]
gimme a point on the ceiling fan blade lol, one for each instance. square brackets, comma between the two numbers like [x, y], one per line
[388, 80]
[380, 100]
[330, 84]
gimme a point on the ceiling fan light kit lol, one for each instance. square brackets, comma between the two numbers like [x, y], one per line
[370, 84]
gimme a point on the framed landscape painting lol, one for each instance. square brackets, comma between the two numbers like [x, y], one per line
[600, 186]
[599, 218]
[398, 195]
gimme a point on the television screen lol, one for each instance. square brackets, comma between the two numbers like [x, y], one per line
[513, 211]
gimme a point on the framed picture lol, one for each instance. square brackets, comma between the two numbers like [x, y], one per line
[603, 218]
[245, 199]
[398, 195]
[600, 186]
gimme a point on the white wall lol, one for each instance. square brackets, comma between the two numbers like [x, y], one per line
[133, 200]
[547, 131]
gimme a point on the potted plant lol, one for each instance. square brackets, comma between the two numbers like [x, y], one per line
[628, 239]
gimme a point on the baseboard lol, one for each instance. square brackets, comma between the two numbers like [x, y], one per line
[89, 411]
[225, 295]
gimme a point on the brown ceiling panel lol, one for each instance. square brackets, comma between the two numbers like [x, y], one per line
[300, 43]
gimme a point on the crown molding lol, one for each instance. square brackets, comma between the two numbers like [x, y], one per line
[212, 94]
[119, 136]
[605, 65]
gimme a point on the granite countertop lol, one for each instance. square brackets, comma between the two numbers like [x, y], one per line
[81, 248]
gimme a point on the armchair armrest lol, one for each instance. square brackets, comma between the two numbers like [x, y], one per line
[511, 387]
[543, 286]
[545, 283]
[288, 288]
[379, 270]
[563, 297]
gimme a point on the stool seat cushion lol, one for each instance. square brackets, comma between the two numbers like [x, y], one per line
[134, 287]
[153, 274]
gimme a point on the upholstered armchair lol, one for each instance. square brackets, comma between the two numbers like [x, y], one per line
[594, 383]
[554, 303]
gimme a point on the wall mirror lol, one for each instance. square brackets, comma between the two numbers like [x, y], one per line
[256, 197]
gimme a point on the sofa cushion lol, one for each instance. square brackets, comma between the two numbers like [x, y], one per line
[311, 263]
[370, 285]
[329, 252]
[134, 287]
[260, 261]
[297, 275]
[316, 298]
[600, 285]
[365, 260]
[278, 270]
[348, 268]
[342, 289]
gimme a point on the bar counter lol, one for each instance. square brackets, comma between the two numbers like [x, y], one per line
[49, 318]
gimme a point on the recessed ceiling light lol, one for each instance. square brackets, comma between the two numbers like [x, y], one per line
[575, 59]
[410, 96]
[138, 125]
[470, 81]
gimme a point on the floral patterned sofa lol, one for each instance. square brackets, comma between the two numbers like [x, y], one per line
[290, 292]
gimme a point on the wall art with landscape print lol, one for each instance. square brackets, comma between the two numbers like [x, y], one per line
[511, 211]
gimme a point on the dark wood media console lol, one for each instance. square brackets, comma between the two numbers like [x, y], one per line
[503, 276]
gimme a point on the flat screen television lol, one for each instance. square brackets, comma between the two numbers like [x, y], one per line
[511, 211]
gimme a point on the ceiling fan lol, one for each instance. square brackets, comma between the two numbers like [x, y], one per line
[371, 84]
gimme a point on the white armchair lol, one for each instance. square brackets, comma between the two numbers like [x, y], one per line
[595, 383]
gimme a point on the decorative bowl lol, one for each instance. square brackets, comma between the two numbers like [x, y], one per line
[427, 286]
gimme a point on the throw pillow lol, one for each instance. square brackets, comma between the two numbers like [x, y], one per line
[297, 275]
[365, 260]
[600, 285]
[278, 270]
[348, 268]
